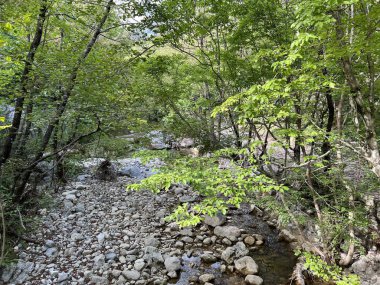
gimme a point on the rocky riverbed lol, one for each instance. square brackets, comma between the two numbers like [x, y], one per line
[98, 233]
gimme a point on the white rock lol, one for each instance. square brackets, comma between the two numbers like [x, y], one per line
[253, 280]
[206, 278]
[71, 197]
[230, 232]
[246, 265]
[215, 221]
[139, 264]
[63, 276]
[172, 263]
[131, 274]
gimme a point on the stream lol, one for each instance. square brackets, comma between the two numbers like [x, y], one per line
[275, 258]
[98, 233]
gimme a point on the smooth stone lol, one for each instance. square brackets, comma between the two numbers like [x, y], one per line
[187, 199]
[172, 264]
[110, 256]
[100, 237]
[172, 274]
[215, 221]
[152, 241]
[99, 280]
[139, 264]
[246, 265]
[234, 252]
[152, 255]
[80, 208]
[253, 280]
[71, 197]
[76, 237]
[249, 240]
[49, 243]
[230, 232]
[206, 277]
[63, 276]
[51, 252]
[208, 257]
[99, 260]
[131, 274]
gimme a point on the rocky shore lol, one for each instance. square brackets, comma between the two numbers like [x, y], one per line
[98, 233]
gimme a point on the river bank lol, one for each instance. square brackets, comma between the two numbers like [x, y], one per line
[97, 233]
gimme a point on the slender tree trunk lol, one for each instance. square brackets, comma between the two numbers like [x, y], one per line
[27, 128]
[235, 128]
[212, 135]
[363, 104]
[371, 149]
[59, 168]
[297, 141]
[19, 105]
[351, 248]
[326, 146]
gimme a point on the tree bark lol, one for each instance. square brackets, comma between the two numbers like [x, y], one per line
[297, 140]
[26, 132]
[326, 146]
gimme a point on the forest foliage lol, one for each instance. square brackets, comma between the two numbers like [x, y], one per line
[286, 90]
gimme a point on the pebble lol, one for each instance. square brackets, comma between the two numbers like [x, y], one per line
[100, 234]
[253, 280]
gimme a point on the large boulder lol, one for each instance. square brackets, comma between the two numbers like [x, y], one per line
[359, 266]
[230, 232]
[246, 265]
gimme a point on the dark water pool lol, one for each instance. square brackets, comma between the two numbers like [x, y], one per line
[275, 259]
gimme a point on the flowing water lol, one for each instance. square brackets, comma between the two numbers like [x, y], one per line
[275, 259]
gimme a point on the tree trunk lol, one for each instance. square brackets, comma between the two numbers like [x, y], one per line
[297, 141]
[59, 169]
[326, 146]
[66, 93]
[26, 132]
[235, 128]
[363, 106]
[19, 105]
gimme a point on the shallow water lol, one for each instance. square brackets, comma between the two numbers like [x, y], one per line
[275, 259]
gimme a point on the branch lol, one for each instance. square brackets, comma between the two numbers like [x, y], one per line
[63, 148]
